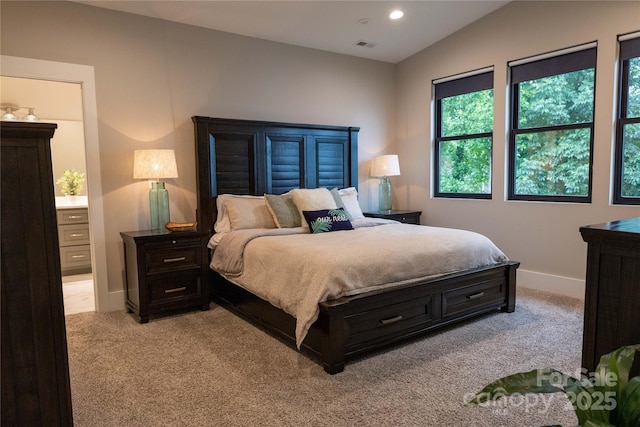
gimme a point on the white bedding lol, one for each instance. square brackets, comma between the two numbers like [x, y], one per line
[295, 270]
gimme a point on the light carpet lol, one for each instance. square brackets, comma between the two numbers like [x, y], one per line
[212, 368]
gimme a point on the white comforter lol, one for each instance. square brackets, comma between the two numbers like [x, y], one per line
[295, 270]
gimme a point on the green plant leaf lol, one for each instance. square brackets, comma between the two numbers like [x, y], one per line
[535, 381]
[582, 394]
[619, 362]
[612, 374]
[628, 409]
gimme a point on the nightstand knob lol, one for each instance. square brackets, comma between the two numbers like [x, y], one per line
[173, 242]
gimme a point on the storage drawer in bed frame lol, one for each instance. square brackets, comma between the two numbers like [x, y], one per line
[351, 326]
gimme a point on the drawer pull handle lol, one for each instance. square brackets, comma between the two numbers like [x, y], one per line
[75, 216]
[177, 259]
[77, 235]
[170, 291]
[391, 320]
[77, 256]
[475, 296]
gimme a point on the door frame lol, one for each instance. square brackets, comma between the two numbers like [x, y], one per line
[13, 66]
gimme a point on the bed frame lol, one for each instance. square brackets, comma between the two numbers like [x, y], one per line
[253, 157]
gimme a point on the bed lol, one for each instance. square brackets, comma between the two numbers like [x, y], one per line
[242, 158]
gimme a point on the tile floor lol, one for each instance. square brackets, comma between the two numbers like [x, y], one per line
[78, 293]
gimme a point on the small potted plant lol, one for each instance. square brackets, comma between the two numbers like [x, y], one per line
[71, 183]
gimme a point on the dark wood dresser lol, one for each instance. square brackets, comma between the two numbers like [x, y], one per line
[612, 299]
[35, 371]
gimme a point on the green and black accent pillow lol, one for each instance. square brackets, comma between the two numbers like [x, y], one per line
[325, 220]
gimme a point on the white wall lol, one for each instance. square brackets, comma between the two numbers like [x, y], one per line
[152, 76]
[544, 237]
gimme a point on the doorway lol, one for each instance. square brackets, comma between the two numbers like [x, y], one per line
[61, 103]
[83, 77]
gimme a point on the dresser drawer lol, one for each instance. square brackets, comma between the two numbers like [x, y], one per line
[75, 257]
[73, 216]
[411, 313]
[176, 288]
[172, 259]
[491, 292]
[73, 235]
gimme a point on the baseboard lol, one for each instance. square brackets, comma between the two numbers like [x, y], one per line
[116, 301]
[550, 283]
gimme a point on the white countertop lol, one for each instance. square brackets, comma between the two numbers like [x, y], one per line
[65, 202]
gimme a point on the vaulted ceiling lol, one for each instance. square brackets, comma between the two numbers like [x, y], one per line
[335, 26]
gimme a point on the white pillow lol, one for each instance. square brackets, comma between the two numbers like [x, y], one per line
[236, 212]
[222, 225]
[312, 199]
[349, 197]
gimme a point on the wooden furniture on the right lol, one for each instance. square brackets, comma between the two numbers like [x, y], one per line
[612, 300]
[407, 217]
[35, 373]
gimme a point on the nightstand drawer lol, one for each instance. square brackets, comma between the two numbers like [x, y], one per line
[470, 298]
[407, 217]
[73, 216]
[73, 235]
[172, 259]
[177, 288]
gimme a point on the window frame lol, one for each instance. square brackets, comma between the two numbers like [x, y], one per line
[474, 81]
[547, 65]
[628, 49]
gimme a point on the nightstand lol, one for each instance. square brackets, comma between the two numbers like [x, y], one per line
[408, 217]
[165, 272]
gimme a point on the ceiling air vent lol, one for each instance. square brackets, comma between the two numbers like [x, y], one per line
[363, 43]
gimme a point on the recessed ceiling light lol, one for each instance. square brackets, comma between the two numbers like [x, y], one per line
[396, 14]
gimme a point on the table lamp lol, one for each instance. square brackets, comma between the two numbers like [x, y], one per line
[383, 168]
[154, 165]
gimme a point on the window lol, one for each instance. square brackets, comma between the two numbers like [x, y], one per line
[626, 185]
[551, 138]
[464, 136]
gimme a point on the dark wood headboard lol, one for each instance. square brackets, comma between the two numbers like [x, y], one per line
[255, 157]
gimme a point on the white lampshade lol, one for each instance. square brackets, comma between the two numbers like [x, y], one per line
[385, 166]
[154, 164]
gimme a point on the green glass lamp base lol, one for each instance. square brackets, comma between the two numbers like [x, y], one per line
[158, 205]
[384, 194]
